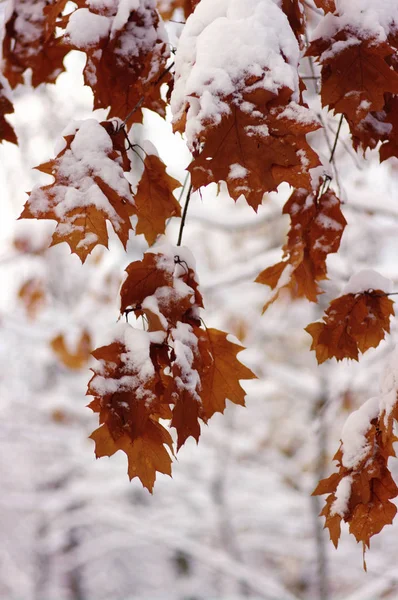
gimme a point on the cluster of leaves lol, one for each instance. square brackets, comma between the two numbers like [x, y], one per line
[176, 370]
[246, 123]
[360, 492]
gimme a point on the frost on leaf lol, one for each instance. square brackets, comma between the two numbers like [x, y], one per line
[357, 56]
[154, 200]
[317, 225]
[176, 370]
[7, 132]
[353, 323]
[126, 48]
[241, 108]
[30, 43]
[360, 493]
[89, 188]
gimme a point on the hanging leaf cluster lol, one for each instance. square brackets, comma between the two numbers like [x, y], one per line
[236, 95]
[176, 370]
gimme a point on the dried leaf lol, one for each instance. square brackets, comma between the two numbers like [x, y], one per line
[89, 188]
[355, 75]
[126, 66]
[353, 323]
[30, 43]
[317, 225]
[154, 200]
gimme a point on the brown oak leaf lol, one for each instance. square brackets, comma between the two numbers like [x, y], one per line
[126, 66]
[30, 43]
[255, 151]
[89, 188]
[353, 323]
[317, 225]
[154, 200]
[355, 73]
[360, 493]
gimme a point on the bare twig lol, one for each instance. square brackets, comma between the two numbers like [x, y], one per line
[184, 215]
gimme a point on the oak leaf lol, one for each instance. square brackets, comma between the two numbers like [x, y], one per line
[246, 124]
[154, 200]
[353, 323]
[360, 493]
[30, 42]
[317, 225]
[89, 188]
[255, 151]
[163, 288]
[127, 397]
[126, 58]
[175, 370]
[355, 73]
[221, 372]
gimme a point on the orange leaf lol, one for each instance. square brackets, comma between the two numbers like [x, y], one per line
[317, 225]
[77, 358]
[30, 43]
[154, 200]
[221, 372]
[89, 188]
[33, 295]
[127, 65]
[355, 76]
[253, 152]
[353, 323]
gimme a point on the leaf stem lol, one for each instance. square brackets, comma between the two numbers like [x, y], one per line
[184, 215]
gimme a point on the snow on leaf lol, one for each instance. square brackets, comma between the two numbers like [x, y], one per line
[360, 493]
[241, 111]
[176, 370]
[30, 43]
[89, 188]
[126, 48]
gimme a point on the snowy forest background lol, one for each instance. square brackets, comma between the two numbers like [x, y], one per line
[237, 520]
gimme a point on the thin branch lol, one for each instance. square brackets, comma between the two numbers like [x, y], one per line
[184, 215]
[141, 100]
